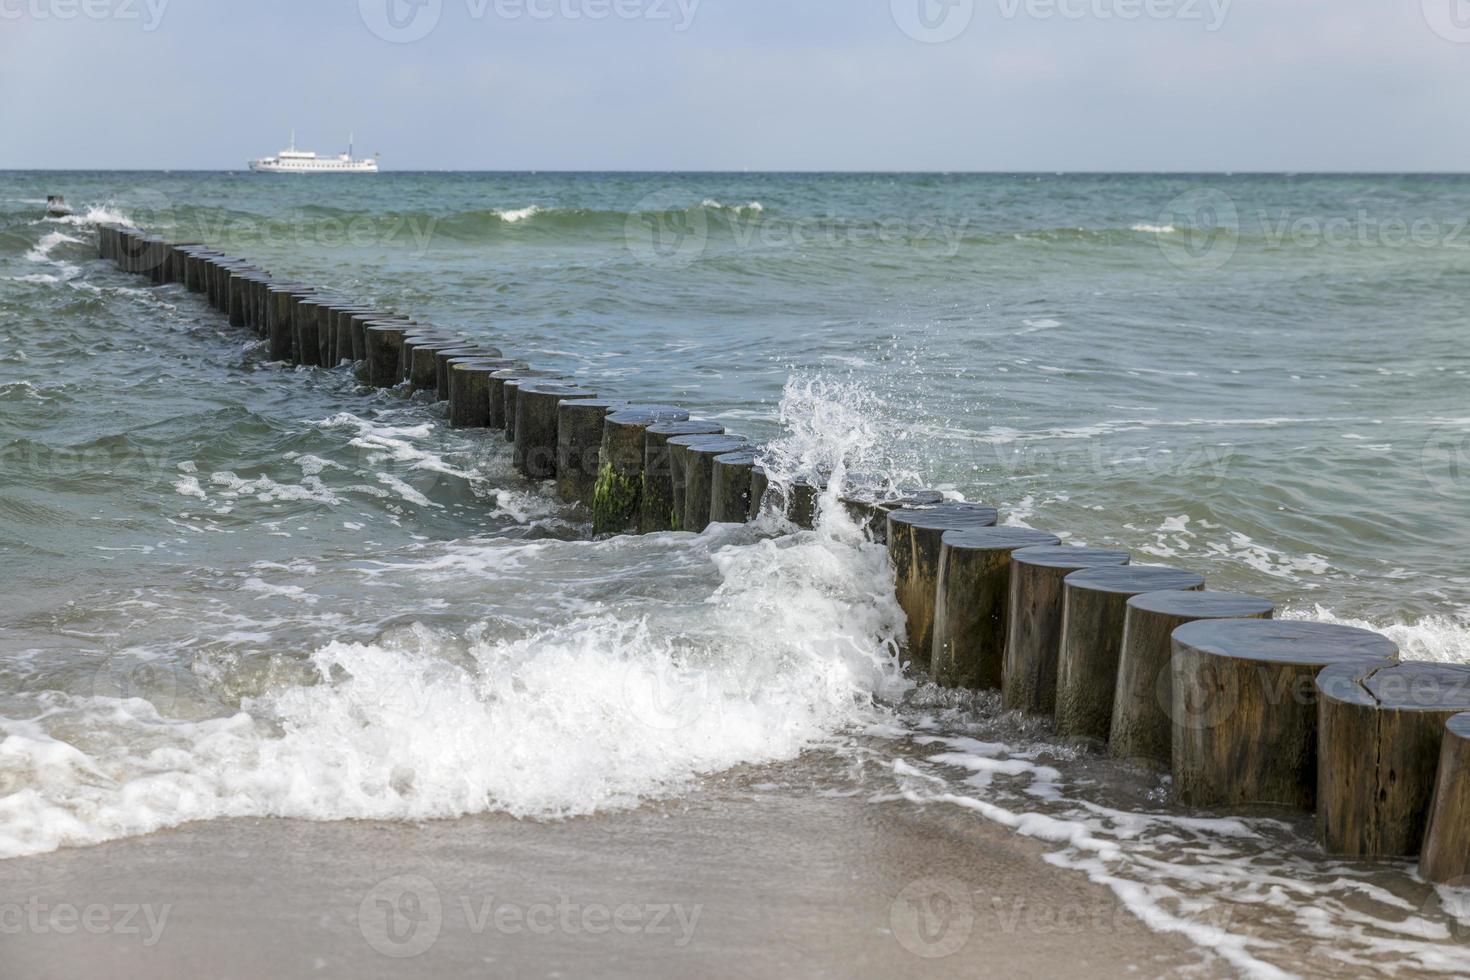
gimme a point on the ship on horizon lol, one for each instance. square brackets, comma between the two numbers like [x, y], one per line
[294, 161]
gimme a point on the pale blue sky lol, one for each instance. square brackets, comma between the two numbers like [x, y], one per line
[735, 84]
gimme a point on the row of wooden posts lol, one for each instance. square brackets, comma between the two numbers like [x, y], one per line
[1242, 708]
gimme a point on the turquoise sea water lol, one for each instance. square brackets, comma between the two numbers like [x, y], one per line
[233, 587]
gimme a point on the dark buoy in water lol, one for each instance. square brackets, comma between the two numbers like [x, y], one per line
[656, 507]
[618, 495]
[1142, 728]
[1034, 622]
[1446, 856]
[1092, 640]
[1379, 735]
[915, 540]
[537, 416]
[971, 603]
[1245, 707]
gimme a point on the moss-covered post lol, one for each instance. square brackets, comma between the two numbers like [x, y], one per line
[656, 511]
[537, 416]
[1245, 707]
[618, 495]
[1446, 856]
[915, 540]
[1379, 731]
[972, 601]
[578, 444]
[1143, 703]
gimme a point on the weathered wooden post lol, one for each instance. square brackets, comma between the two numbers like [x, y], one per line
[972, 601]
[730, 486]
[469, 390]
[1245, 706]
[537, 414]
[806, 492]
[420, 336]
[578, 443]
[308, 332]
[342, 334]
[1446, 856]
[278, 319]
[444, 362]
[699, 478]
[618, 495]
[1379, 734]
[235, 295]
[383, 343]
[423, 366]
[1093, 615]
[870, 511]
[1143, 704]
[679, 447]
[760, 488]
[1034, 622]
[510, 389]
[915, 540]
[656, 510]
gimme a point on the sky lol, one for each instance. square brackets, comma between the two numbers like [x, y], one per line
[951, 85]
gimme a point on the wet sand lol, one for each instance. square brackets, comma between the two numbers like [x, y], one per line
[748, 876]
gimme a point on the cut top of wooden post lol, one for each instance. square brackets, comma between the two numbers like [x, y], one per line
[689, 427]
[1010, 539]
[954, 516]
[1409, 686]
[1290, 642]
[1075, 559]
[1203, 605]
[1134, 580]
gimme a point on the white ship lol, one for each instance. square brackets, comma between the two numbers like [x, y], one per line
[294, 161]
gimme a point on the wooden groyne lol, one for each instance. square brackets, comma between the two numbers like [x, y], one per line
[1143, 661]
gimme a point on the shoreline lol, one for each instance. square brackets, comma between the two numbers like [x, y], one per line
[736, 879]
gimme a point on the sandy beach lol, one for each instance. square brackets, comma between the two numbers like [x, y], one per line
[739, 879]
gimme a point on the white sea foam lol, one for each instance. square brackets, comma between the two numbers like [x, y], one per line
[519, 214]
[1154, 229]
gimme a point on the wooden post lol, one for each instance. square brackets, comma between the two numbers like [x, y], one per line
[1245, 706]
[618, 495]
[1143, 704]
[342, 335]
[871, 512]
[422, 337]
[278, 318]
[699, 479]
[469, 390]
[235, 298]
[730, 483]
[1034, 622]
[1378, 745]
[578, 443]
[383, 342]
[1093, 615]
[679, 447]
[308, 332]
[1446, 856]
[915, 540]
[423, 366]
[444, 362]
[537, 413]
[509, 388]
[656, 510]
[971, 603]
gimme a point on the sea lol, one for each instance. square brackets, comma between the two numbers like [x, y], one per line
[237, 588]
